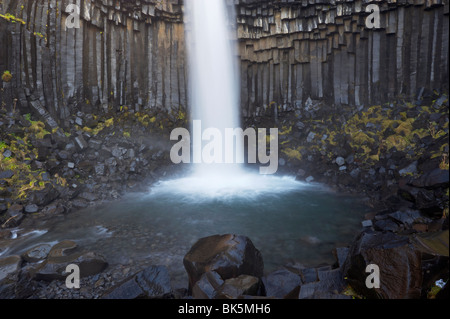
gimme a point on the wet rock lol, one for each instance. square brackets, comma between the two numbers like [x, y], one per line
[310, 137]
[54, 267]
[15, 210]
[282, 283]
[340, 161]
[81, 143]
[206, 286]
[399, 264]
[355, 173]
[433, 179]
[88, 196]
[410, 169]
[31, 208]
[329, 285]
[7, 154]
[45, 196]
[408, 217]
[309, 179]
[386, 225]
[228, 255]
[152, 282]
[100, 169]
[340, 253]
[37, 253]
[242, 285]
[9, 265]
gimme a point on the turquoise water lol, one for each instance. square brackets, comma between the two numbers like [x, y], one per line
[288, 221]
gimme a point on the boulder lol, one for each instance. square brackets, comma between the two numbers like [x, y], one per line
[151, 283]
[282, 283]
[242, 285]
[63, 254]
[329, 285]
[228, 255]
[433, 179]
[37, 253]
[399, 264]
[45, 196]
[206, 286]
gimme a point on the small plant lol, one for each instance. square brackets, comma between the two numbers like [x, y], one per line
[7, 76]
[444, 162]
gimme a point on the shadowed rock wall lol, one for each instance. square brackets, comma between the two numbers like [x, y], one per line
[292, 50]
[124, 53]
[132, 53]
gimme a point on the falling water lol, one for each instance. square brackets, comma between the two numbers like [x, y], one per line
[213, 74]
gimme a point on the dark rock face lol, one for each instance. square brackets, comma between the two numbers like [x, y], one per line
[399, 264]
[292, 53]
[153, 282]
[282, 284]
[227, 255]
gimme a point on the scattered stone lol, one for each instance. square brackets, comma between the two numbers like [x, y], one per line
[71, 165]
[410, 169]
[79, 121]
[310, 137]
[309, 179]
[340, 161]
[366, 223]
[6, 174]
[282, 283]
[37, 253]
[100, 169]
[329, 286]
[81, 142]
[9, 265]
[355, 173]
[7, 154]
[31, 208]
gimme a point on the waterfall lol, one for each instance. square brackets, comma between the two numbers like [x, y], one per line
[213, 80]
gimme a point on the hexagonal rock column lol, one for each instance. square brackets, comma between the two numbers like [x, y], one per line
[228, 255]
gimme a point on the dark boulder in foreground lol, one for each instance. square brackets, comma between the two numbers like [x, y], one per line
[400, 266]
[228, 255]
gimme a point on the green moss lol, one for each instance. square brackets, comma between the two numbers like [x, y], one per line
[7, 76]
[293, 153]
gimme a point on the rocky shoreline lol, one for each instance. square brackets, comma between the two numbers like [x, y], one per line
[391, 154]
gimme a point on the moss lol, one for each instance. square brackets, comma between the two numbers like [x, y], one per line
[293, 153]
[126, 134]
[285, 130]
[7, 76]
[10, 18]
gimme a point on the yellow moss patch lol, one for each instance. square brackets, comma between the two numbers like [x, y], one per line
[293, 153]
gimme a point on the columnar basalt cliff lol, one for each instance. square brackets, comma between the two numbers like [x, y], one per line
[124, 53]
[292, 50]
[132, 53]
